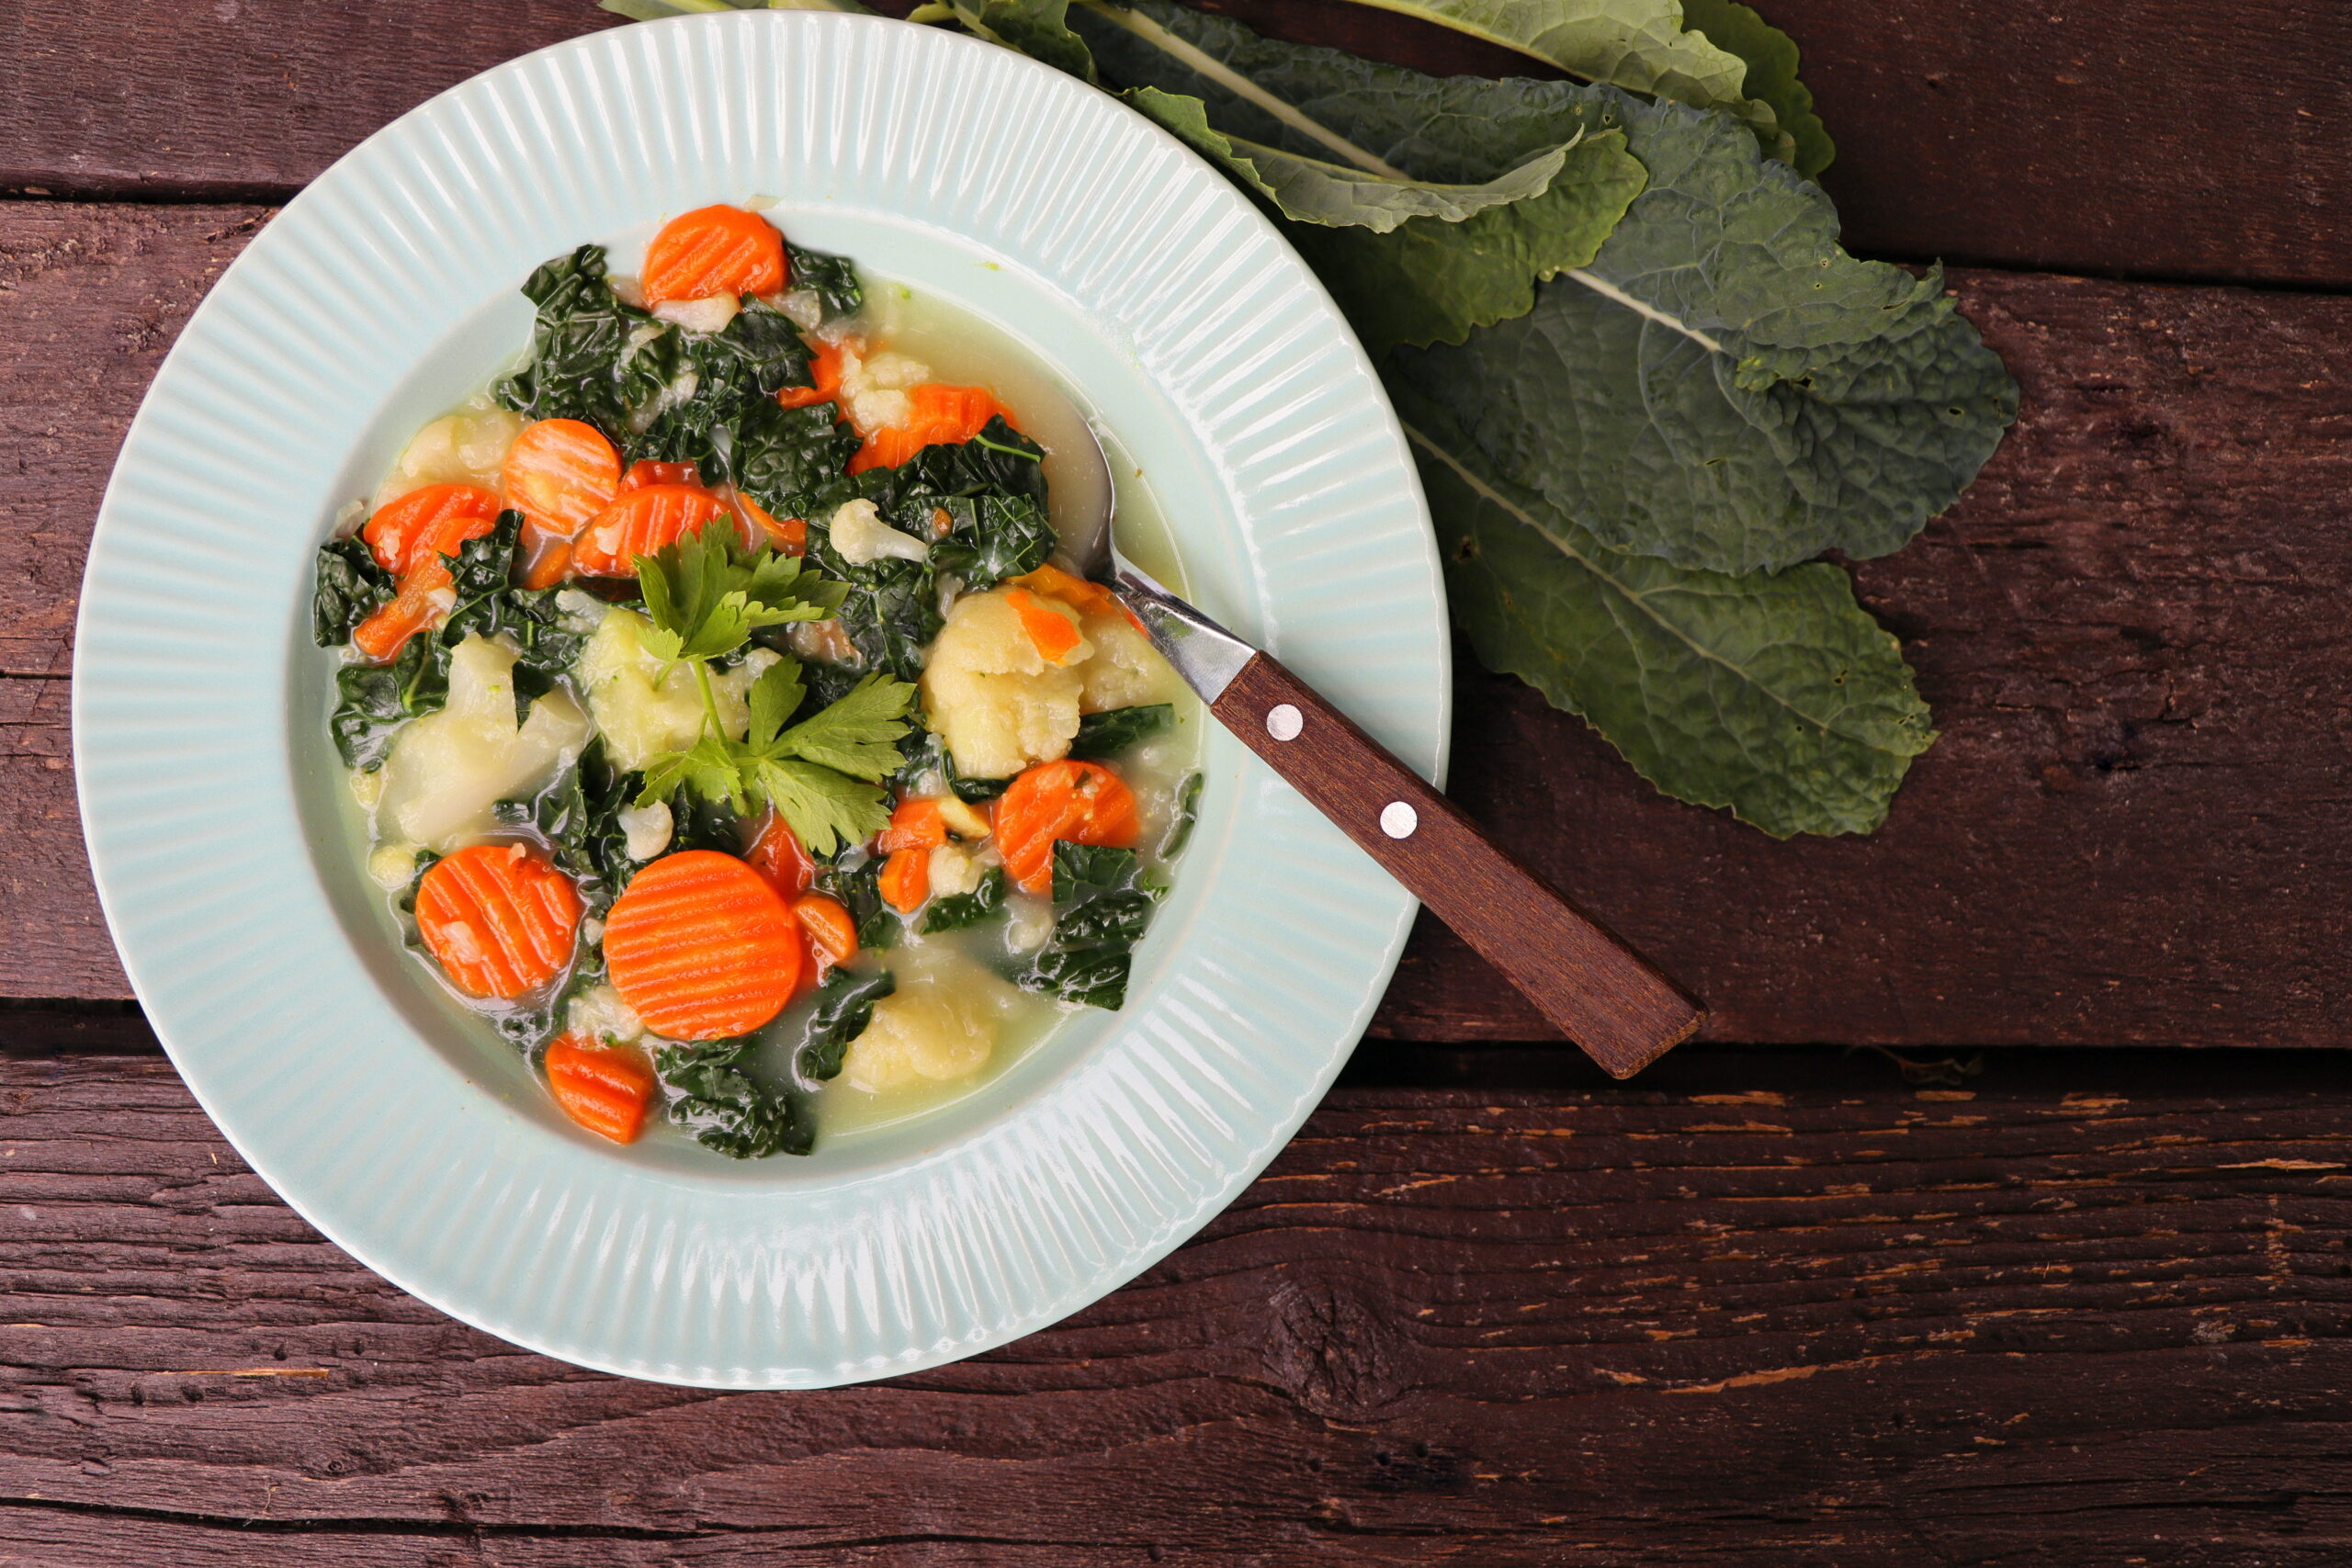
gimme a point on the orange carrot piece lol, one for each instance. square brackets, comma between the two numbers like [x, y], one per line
[714, 249]
[561, 472]
[915, 825]
[825, 364]
[1054, 636]
[603, 1089]
[499, 917]
[416, 605]
[433, 520]
[641, 523]
[1085, 802]
[778, 854]
[646, 471]
[546, 557]
[905, 881]
[936, 414]
[1052, 582]
[702, 946]
[832, 935]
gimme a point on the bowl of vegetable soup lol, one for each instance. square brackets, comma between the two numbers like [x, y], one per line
[595, 757]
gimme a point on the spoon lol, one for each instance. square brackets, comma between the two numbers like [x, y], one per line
[1599, 992]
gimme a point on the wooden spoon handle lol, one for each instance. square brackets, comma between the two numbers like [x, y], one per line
[1602, 995]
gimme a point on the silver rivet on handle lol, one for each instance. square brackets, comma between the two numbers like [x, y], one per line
[1284, 722]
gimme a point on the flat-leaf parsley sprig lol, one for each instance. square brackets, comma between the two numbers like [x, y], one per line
[705, 595]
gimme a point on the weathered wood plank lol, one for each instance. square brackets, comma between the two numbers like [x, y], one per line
[1773, 1308]
[2127, 833]
[2182, 138]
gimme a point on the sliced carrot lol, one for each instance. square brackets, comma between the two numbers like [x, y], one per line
[1056, 638]
[562, 472]
[789, 538]
[905, 881]
[641, 523]
[936, 413]
[647, 472]
[778, 854]
[434, 520]
[825, 364]
[714, 249]
[702, 946]
[603, 1089]
[1085, 802]
[915, 825]
[1053, 582]
[499, 917]
[831, 933]
[420, 600]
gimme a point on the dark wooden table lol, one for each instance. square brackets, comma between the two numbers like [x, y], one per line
[1936, 1282]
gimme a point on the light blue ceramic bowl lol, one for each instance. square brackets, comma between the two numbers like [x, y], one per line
[385, 292]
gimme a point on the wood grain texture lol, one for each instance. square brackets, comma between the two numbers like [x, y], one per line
[1585, 981]
[2179, 138]
[2128, 630]
[1769, 1310]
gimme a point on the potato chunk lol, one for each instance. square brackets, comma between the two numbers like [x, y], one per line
[991, 694]
[941, 1022]
[448, 769]
[644, 709]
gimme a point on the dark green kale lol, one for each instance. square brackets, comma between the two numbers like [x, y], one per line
[1188, 811]
[858, 889]
[579, 817]
[991, 490]
[736, 373]
[350, 586]
[790, 461]
[1102, 734]
[844, 1006]
[929, 755]
[577, 346]
[1102, 908]
[482, 573]
[729, 1111]
[834, 279]
[955, 911]
[374, 700]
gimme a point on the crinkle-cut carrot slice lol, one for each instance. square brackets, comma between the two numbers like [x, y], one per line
[646, 471]
[825, 365]
[562, 472]
[905, 881]
[603, 1090]
[788, 539]
[702, 947]
[422, 599]
[714, 249]
[1085, 802]
[498, 918]
[431, 519]
[936, 414]
[641, 523]
[1055, 638]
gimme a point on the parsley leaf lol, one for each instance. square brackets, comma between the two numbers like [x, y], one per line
[707, 593]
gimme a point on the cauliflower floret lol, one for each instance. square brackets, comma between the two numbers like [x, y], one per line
[466, 447]
[873, 389]
[448, 769]
[940, 1023]
[956, 869]
[997, 703]
[861, 536]
[1126, 669]
[647, 828]
[643, 708]
[598, 1013]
